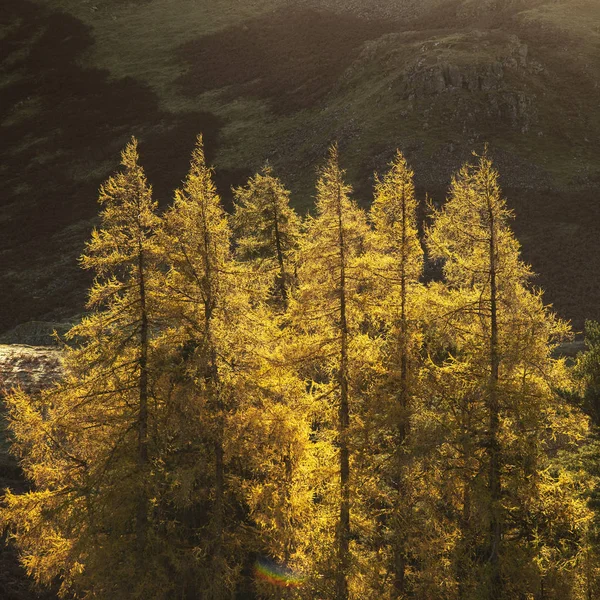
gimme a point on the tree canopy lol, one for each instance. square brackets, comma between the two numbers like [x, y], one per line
[260, 405]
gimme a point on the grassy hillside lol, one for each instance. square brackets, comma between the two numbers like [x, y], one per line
[278, 80]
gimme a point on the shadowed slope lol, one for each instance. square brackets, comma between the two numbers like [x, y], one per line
[291, 58]
[62, 126]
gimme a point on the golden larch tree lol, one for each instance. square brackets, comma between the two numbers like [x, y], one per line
[266, 230]
[87, 445]
[397, 265]
[327, 312]
[501, 338]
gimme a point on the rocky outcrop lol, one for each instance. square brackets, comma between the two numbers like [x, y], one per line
[472, 87]
[467, 80]
[29, 367]
[422, 80]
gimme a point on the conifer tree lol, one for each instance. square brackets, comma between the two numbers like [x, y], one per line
[87, 445]
[502, 336]
[397, 266]
[327, 313]
[266, 229]
[202, 306]
[239, 406]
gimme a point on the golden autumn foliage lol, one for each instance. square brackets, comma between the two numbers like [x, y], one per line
[260, 387]
[267, 230]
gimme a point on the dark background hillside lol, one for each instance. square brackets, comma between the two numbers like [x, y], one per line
[279, 80]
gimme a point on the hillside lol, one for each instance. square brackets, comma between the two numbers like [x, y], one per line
[278, 80]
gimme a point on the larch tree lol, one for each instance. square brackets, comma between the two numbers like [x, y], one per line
[467, 234]
[203, 303]
[266, 230]
[327, 313]
[503, 335]
[297, 395]
[87, 445]
[397, 267]
[239, 406]
[284, 463]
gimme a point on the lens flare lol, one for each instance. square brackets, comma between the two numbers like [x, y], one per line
[275, 574]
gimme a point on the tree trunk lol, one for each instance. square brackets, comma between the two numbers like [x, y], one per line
[280, 259]
[495, 533]
[344, 422]
[142, 509]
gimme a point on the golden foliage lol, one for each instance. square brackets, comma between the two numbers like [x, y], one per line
[256, 385]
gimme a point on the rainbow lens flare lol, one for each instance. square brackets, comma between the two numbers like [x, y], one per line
[279, 575]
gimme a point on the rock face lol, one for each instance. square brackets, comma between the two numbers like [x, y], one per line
[445, 79]
[446, 94]
[30, 367]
